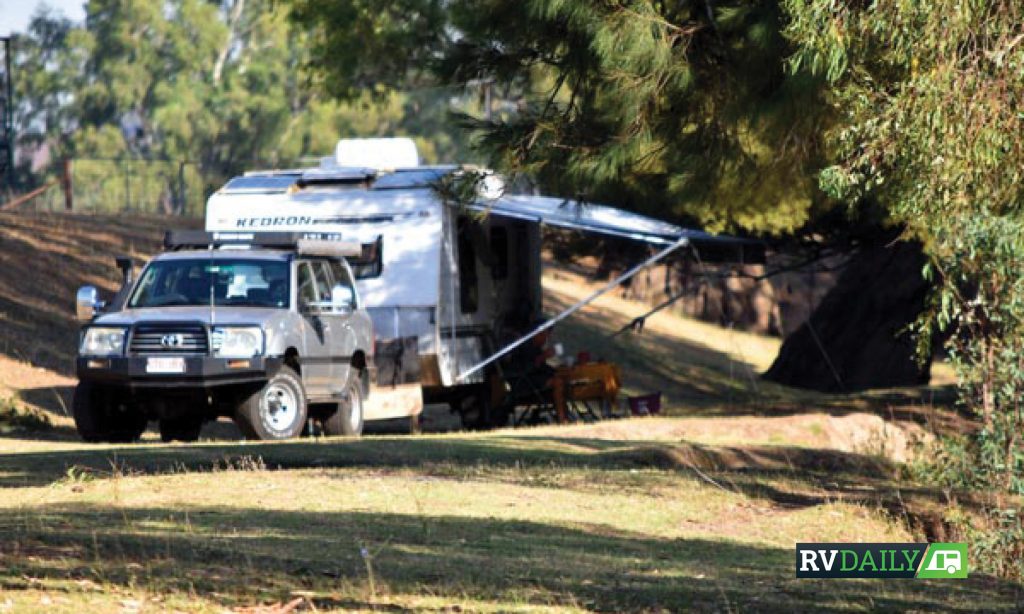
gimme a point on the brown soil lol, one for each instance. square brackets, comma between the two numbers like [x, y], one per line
[859, 433]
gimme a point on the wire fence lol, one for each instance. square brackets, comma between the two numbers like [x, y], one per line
[157, 187]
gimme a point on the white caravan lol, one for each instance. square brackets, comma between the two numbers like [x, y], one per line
[448, 288]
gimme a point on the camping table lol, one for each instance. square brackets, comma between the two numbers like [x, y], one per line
[592, 381]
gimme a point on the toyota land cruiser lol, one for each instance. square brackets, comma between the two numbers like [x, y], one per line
[265, 328]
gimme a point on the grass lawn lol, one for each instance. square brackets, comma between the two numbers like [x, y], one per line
[495, 522]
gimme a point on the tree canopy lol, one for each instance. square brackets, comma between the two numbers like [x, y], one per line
[220, 84]
[681, 108]
[931, 97]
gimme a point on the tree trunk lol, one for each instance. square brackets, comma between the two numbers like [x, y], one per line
[234, 16]
[856, 339]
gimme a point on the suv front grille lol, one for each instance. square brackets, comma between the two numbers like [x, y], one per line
[169, 339]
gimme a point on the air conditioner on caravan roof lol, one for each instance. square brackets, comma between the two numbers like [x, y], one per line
[389, 153]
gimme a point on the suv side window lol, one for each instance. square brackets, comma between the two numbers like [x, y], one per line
[307, 287]
[322, 275]
[340, 274]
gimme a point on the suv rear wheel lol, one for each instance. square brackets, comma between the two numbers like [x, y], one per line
[276, 411]
[101, 417]
[348, 418]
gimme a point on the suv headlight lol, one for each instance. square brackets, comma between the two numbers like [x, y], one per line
[102, 341]
[237, 341]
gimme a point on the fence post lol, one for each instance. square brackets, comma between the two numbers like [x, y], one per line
[66, 184]
[127, 187]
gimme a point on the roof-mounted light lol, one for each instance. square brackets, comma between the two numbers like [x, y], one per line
[303, 243]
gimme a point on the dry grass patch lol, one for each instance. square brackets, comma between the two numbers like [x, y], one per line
[351, 539]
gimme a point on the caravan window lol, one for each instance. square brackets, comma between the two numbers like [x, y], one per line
[468, 288]
[371, 263]
[370, 269]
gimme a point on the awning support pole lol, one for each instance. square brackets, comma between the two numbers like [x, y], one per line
[571, 310]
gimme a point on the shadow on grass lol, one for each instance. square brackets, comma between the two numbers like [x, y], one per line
[238, 556]
[32, 468]
[55, 400]
[786, 477]
[54, 405]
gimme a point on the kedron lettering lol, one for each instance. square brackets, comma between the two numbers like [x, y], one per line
[265, 222]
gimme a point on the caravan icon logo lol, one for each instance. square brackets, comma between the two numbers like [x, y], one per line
[944, 561]
[940, 560]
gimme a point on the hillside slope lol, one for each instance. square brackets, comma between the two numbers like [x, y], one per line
[44, 258]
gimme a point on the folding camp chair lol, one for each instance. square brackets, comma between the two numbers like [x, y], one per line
[528, 401]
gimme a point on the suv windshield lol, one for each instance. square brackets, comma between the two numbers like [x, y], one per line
[244, 283]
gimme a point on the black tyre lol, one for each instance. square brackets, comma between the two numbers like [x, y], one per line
[276, 411]
[477, 413]
[100, 416]
[471, 410]
[181, 429]
[347, 420]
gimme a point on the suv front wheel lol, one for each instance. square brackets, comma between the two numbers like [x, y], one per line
[101, 416]
[276, 411]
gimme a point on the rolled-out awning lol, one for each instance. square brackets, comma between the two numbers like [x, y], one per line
[602, 219]
[610, 221]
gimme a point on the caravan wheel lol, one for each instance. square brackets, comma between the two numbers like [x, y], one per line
[477, 413]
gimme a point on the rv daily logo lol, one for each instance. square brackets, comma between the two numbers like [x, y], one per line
[881, 560]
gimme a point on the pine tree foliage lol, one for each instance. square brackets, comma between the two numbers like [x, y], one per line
[683, 109]
[370, 45]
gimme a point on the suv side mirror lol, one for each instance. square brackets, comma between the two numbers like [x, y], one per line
[343, 299]
[87, 303]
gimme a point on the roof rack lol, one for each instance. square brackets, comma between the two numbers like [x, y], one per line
[304, 243]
